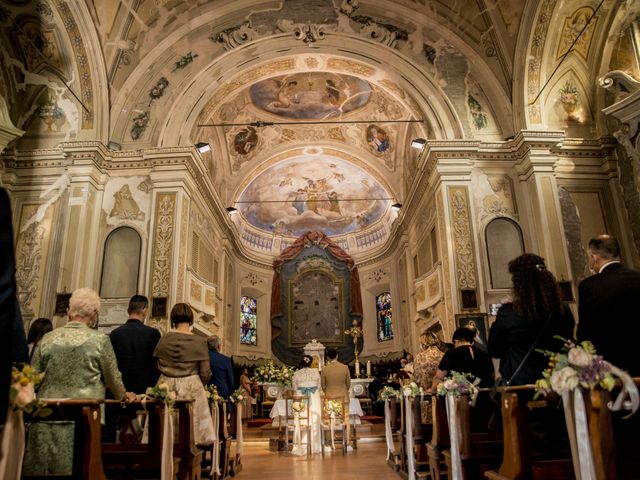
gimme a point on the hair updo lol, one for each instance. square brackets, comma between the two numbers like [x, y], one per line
[305, 361]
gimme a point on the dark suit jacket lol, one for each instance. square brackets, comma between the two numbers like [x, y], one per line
[134, 344]
[13, 344]
[511, 337]
[221, 373]
[608, 315]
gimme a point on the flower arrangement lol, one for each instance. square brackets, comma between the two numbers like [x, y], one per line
[212, 393]
[457, 384]
[298, 406]
[569, 94]
[23, 391]
[162, 391]
[412, 390]
[388, 392]
[333, 408]
[271, 373]
[577, 365]
[238, 395]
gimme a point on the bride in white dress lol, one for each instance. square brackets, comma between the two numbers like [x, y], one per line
[306, 381]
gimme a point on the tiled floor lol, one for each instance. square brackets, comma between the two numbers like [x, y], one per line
[368, 461]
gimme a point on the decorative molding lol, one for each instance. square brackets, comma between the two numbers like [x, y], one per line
[28, 262]
[182, 260]
[125, 207]
[157, 91]
[163, 244]
[82, 62]
[253, 279]
[233, 37]
[462, 239]
[184, 61]
[534, 65]
[377, 275]
[140, 123]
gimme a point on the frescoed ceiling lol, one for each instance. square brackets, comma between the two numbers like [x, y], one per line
[313, 192]
[267, 74]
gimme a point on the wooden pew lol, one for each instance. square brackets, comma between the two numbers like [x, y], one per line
[479, 448]
[87, 459]
[397, 427]
[234, 462]
[517, 462]
[439, 438]
[132, 460]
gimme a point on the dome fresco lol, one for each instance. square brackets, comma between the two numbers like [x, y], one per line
[314, 95]
[313, 192]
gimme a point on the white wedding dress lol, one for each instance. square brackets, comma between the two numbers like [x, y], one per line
[306, 381]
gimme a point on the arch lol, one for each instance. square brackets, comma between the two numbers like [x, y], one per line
[121, 263]
[504, 242]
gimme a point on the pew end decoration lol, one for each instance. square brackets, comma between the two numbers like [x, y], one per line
[577, 365]
[237, 396]
[162, 391]
[458, 384]
[388, 393]
[573, 374]
[212, 394]
[23, 391]
[412, 390]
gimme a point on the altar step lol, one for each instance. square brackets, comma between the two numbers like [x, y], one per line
[365, 431]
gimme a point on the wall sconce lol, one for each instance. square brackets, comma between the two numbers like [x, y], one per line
[396, 207]
[203, 147]
[418, 143]
[231, 210]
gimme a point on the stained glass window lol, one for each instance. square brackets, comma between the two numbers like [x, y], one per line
[248, 321]
[384, 315]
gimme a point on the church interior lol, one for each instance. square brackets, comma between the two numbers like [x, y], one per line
[295, 168]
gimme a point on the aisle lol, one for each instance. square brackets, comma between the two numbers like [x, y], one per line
[368, 461]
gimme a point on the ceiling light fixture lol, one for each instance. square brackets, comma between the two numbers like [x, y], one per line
[260, 124]
[203, 147]
[231, 210]
[396, 207]
[418, 143]
[114, 146]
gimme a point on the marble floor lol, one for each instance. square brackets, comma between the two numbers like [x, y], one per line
[367, 461]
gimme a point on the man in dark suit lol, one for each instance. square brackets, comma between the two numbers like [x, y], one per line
[608, 305]
[221, 368]
[134, 343]
[13, 344]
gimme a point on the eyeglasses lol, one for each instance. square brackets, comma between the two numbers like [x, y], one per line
[96, 322]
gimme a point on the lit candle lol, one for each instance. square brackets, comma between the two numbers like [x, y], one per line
[368, 368]
[357, 369]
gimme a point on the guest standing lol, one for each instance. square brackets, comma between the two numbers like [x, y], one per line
[427, 361]
[608, 305]
[38, 329]
[221, 368]
[183, 361]
[335, 377]
[78, 362]
[536, 303]
[133, 344]
[465, 357]
[247, 403]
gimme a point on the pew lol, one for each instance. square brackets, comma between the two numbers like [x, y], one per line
[397, 427]
[234, 461]
[133, 460]
[85, 413]
[439, 438]
[479, 447]
[518, 462]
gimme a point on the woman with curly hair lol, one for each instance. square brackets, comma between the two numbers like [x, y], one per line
[537, 313]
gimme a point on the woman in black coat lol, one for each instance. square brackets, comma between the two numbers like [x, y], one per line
[537, 306]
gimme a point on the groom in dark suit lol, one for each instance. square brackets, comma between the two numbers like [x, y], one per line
[134, 343]
[608, 305]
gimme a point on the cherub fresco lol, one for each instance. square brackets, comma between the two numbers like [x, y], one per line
[313, 195]
[377, 138]
[312, 95]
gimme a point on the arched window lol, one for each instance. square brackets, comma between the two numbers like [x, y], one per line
[248, 321]
[504, 243]
[384, 316]
[121, 264]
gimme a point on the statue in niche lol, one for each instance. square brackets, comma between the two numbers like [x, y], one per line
[125, 207]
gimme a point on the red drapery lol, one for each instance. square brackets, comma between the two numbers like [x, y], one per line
[324, 242]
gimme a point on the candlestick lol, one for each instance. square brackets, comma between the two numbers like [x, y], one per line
[357, 369]
[368, 368]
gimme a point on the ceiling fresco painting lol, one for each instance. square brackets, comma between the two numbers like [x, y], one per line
[313, 192]
[314, 95]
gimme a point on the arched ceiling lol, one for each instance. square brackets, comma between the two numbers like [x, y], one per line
[152, 73]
